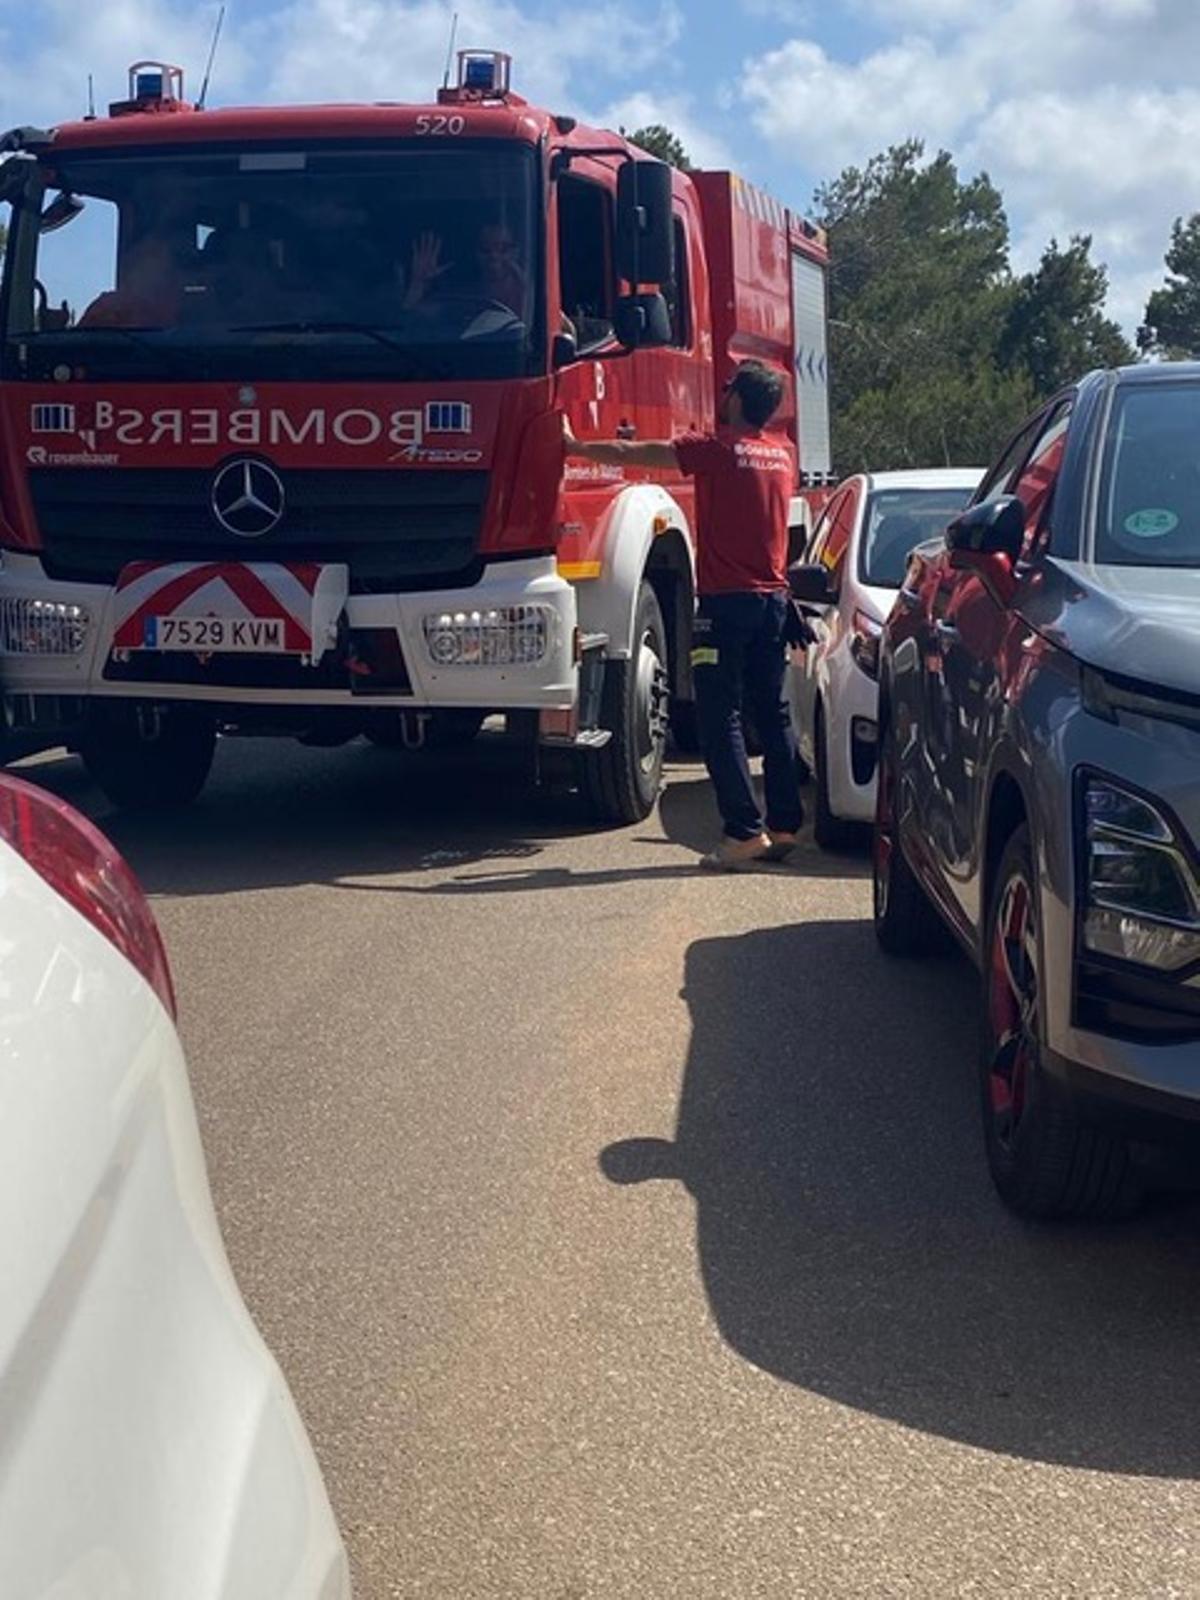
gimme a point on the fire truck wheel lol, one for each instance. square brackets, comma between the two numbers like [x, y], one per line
[149, 761]
[621, 781]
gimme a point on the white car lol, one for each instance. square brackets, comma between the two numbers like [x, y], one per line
[847, 586]
[149, 1447]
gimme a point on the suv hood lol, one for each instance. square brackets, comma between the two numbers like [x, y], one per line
[1138, 622]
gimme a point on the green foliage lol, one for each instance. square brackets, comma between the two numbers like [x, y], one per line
[1056, 327]
[661, 142]
[1172, 326]
[937, 353]
[947, 418]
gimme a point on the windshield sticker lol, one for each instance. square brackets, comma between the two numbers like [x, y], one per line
[1151, 524]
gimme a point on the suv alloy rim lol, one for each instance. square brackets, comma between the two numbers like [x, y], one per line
[1013, 1008]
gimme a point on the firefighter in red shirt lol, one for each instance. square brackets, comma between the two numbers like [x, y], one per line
[744, 481]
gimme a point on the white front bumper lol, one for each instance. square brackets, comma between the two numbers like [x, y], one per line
[546, 683]
[851, 695]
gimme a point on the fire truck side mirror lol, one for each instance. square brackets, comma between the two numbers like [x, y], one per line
[645, 230]
[14, 175]
[62, 209]
[642, 321]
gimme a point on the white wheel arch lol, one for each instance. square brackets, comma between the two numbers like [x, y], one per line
[608, 604]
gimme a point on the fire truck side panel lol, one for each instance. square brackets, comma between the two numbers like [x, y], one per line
[810, 356]
[746, 232]
[670, 391]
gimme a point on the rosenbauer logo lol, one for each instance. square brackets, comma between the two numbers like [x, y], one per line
[257, 427]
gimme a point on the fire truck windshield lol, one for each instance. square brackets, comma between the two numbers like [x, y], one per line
[407, 263]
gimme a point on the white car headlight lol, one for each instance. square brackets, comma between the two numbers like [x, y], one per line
[1141, 894]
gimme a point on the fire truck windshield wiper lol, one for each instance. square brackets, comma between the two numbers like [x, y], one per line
[420, 369]
[306, 325]
[139, 337]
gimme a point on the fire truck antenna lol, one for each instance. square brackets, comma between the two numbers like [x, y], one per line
[450, 51]
[212, 51]
[91, 110]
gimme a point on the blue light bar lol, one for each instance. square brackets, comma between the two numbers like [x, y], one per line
[480, 74]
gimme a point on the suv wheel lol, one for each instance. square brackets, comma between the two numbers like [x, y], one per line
[1044, 1160]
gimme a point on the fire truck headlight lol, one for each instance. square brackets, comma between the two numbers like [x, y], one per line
[504, 636]
[42, 627]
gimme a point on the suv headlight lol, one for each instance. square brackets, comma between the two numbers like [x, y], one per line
[1141, 894]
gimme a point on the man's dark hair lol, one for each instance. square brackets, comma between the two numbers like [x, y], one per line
[760, 389]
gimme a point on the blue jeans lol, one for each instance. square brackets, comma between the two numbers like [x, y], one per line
[739, 657]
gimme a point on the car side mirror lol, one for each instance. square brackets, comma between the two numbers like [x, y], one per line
[995, 528]
[810, 581]
[642, 321]
[563, 351]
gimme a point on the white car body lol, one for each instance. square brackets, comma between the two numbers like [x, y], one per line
[831, 696]
[149, 1447]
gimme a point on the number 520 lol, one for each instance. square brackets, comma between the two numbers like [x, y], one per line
[430, 125]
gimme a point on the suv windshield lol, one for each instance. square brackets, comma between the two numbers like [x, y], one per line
[405, 263]
[1149, 507]
[897, 521]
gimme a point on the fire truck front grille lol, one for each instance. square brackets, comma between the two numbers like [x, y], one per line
[397, 529]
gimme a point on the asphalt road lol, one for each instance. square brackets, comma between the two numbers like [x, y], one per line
[624, 1231]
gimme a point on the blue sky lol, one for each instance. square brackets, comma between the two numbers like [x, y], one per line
[1085, 112]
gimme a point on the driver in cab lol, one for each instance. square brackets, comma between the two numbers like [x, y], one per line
[499, 275]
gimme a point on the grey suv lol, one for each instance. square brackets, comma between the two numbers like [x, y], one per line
[1039, 782]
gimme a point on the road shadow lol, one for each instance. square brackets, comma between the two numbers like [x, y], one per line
[849, 1238]
[689, 818]
[276, 814]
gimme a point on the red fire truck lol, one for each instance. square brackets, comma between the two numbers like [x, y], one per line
[280, 426]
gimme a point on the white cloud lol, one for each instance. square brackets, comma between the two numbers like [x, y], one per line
[1084, 112]
[48, 82]
[390, 50]
[321, 50]
[677, 112]
[801, 96]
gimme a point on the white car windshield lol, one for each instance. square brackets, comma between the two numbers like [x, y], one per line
[897, 521]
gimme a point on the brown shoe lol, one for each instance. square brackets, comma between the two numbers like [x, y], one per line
[732, 855]
[780, 846]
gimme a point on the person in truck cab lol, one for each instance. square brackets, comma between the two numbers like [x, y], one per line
[149, 289]
[499, 274]
[744, 481]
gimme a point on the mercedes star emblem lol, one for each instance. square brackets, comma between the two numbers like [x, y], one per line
[247, 498]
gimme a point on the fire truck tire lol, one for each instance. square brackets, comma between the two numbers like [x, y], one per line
[621, 781]
[152, 765]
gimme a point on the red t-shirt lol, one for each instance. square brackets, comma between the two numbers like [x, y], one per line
[744, 485]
